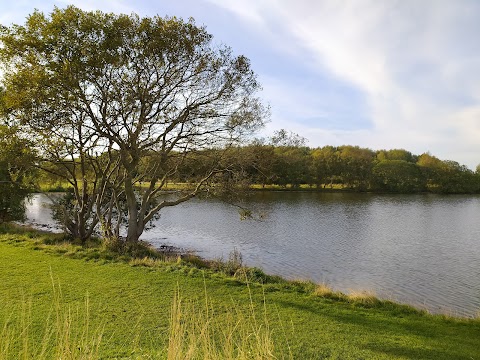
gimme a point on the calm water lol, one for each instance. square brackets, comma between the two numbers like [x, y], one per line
[418, 249]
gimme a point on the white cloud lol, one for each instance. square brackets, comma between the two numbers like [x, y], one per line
[241, 10]
[416, 62]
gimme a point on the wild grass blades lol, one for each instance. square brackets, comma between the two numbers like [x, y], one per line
[203, 330]
[64, 332]
[9, 337]
[74, 339]
[364, 297]
[324, 290]
[136, 301]
[150, 262]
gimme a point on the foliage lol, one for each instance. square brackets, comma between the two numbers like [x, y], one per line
[16, 170]
[116, 100]
[284, 138]
[344, 167]
[397, 176]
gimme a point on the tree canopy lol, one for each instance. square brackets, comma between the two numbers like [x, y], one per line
[353, 168]
[103, 92]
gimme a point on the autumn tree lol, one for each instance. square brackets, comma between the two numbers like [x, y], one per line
[356, 166]
[325, 165]
[259, 158]
[284, 138]
[396, 154]
[397, 176]
[132, 88]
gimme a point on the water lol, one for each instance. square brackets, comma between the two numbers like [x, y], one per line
[422, 250]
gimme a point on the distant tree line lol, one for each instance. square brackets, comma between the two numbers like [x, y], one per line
[287, 162]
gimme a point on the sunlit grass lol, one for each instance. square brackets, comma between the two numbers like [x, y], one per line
[278, 187]
[198, 332]
[56, 186]
[62, 186]
[324, 290]
[64, 333]
[365, 297]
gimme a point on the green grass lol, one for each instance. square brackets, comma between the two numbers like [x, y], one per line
[130, 306]
[57, 186]
[197, 332]
[269, 187]
[64, 334]
[303, 187]
[62, 186]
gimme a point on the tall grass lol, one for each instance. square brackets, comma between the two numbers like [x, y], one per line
[202, 331]
[199, 329]
[364, 297]
[65, 334]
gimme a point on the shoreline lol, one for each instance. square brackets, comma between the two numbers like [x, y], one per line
[169, 251]
[235, 264]
[289, 188]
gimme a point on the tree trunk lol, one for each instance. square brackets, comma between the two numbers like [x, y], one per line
[135, 225]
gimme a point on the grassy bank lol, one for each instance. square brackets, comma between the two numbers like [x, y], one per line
[120, 307]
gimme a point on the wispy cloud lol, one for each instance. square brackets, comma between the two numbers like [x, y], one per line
[415, 62]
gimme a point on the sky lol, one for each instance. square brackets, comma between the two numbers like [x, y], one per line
[381, 74]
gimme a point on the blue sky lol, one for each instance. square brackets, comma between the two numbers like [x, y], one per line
[374, 73]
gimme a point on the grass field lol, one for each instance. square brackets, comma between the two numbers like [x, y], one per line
[62, 186]
[87, 304]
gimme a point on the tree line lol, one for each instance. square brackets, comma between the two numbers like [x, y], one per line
[346, 167]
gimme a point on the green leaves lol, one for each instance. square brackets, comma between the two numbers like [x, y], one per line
[90, 82]
[16, 169]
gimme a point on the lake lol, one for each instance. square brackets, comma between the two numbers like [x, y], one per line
[423, 250]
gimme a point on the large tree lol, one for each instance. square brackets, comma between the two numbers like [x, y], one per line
[138, 91]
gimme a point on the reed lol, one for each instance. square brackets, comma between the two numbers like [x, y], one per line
[202, 330]
[66, 332]
[364, 297]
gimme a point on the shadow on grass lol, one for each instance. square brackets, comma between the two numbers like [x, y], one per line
[401, 331]
[416, 353]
